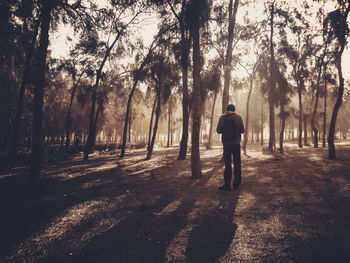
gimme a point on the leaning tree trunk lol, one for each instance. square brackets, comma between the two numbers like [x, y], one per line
[126, 118]
[155, 128]
[233, 7]
[196, 103]
[151, 123]
[300, 127]
[245, 138]
[331, 146]
[36, 154]
[90, 138]
[212, 120]
[24, 81]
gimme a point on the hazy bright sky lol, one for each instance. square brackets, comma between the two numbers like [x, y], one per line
[60, 46]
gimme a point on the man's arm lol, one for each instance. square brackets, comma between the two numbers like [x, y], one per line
[220, 127]
[242, 129]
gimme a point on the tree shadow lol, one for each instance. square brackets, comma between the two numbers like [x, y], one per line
[212, 237]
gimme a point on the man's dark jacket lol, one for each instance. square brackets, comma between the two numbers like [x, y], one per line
[227, 121]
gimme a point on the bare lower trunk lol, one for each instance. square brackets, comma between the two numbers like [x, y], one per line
[324, 115]
[151, 123]
[126, 118]
[262, 123]
[197, 104]
[129, 129]
[185, 49]
[36, 153]
[69, 115]
[150, 149]
[212, 120]
[90, 138]
[272, 126]
[314, 124]
[169, 123]
[272, 83]
[300, 127]
[331, 146]
[305, 130]
[283, 125]
[245, 139]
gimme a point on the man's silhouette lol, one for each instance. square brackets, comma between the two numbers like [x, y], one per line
[231, 126]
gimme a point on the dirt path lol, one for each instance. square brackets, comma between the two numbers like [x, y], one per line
[292, 208]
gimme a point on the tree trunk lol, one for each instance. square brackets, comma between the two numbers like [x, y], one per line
[185, 50]
[150, 149]
[126, 118]
[301, 113]
[324, 113]
[212, 120]
[331, 146]
[69, 114]
[245, 138]
[169, 123]
[36, 154]
[90, 139]
[151, 123]
[24, 81]
[272, 137]
[232, 9]
[196, 103]
[130, 122]
[317, 96]
[98, 112]
[305, 130]
[262, 123]
[283, 125]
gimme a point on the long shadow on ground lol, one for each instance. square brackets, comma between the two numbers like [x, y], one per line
[155, 207]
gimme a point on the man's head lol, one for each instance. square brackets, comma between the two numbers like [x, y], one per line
[231, 107]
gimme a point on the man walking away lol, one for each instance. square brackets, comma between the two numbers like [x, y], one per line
[231, 126]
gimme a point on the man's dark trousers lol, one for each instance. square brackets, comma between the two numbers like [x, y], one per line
[232, 150]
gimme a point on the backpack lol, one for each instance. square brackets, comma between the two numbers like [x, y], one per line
[231, 131]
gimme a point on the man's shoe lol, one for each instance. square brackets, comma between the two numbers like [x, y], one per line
[235, 187]
[225, 188]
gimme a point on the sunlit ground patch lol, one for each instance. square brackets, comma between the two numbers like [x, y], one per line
[55, 234]
[176, 250]
[170, 208]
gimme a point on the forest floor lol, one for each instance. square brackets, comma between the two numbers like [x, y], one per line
[290, 208]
